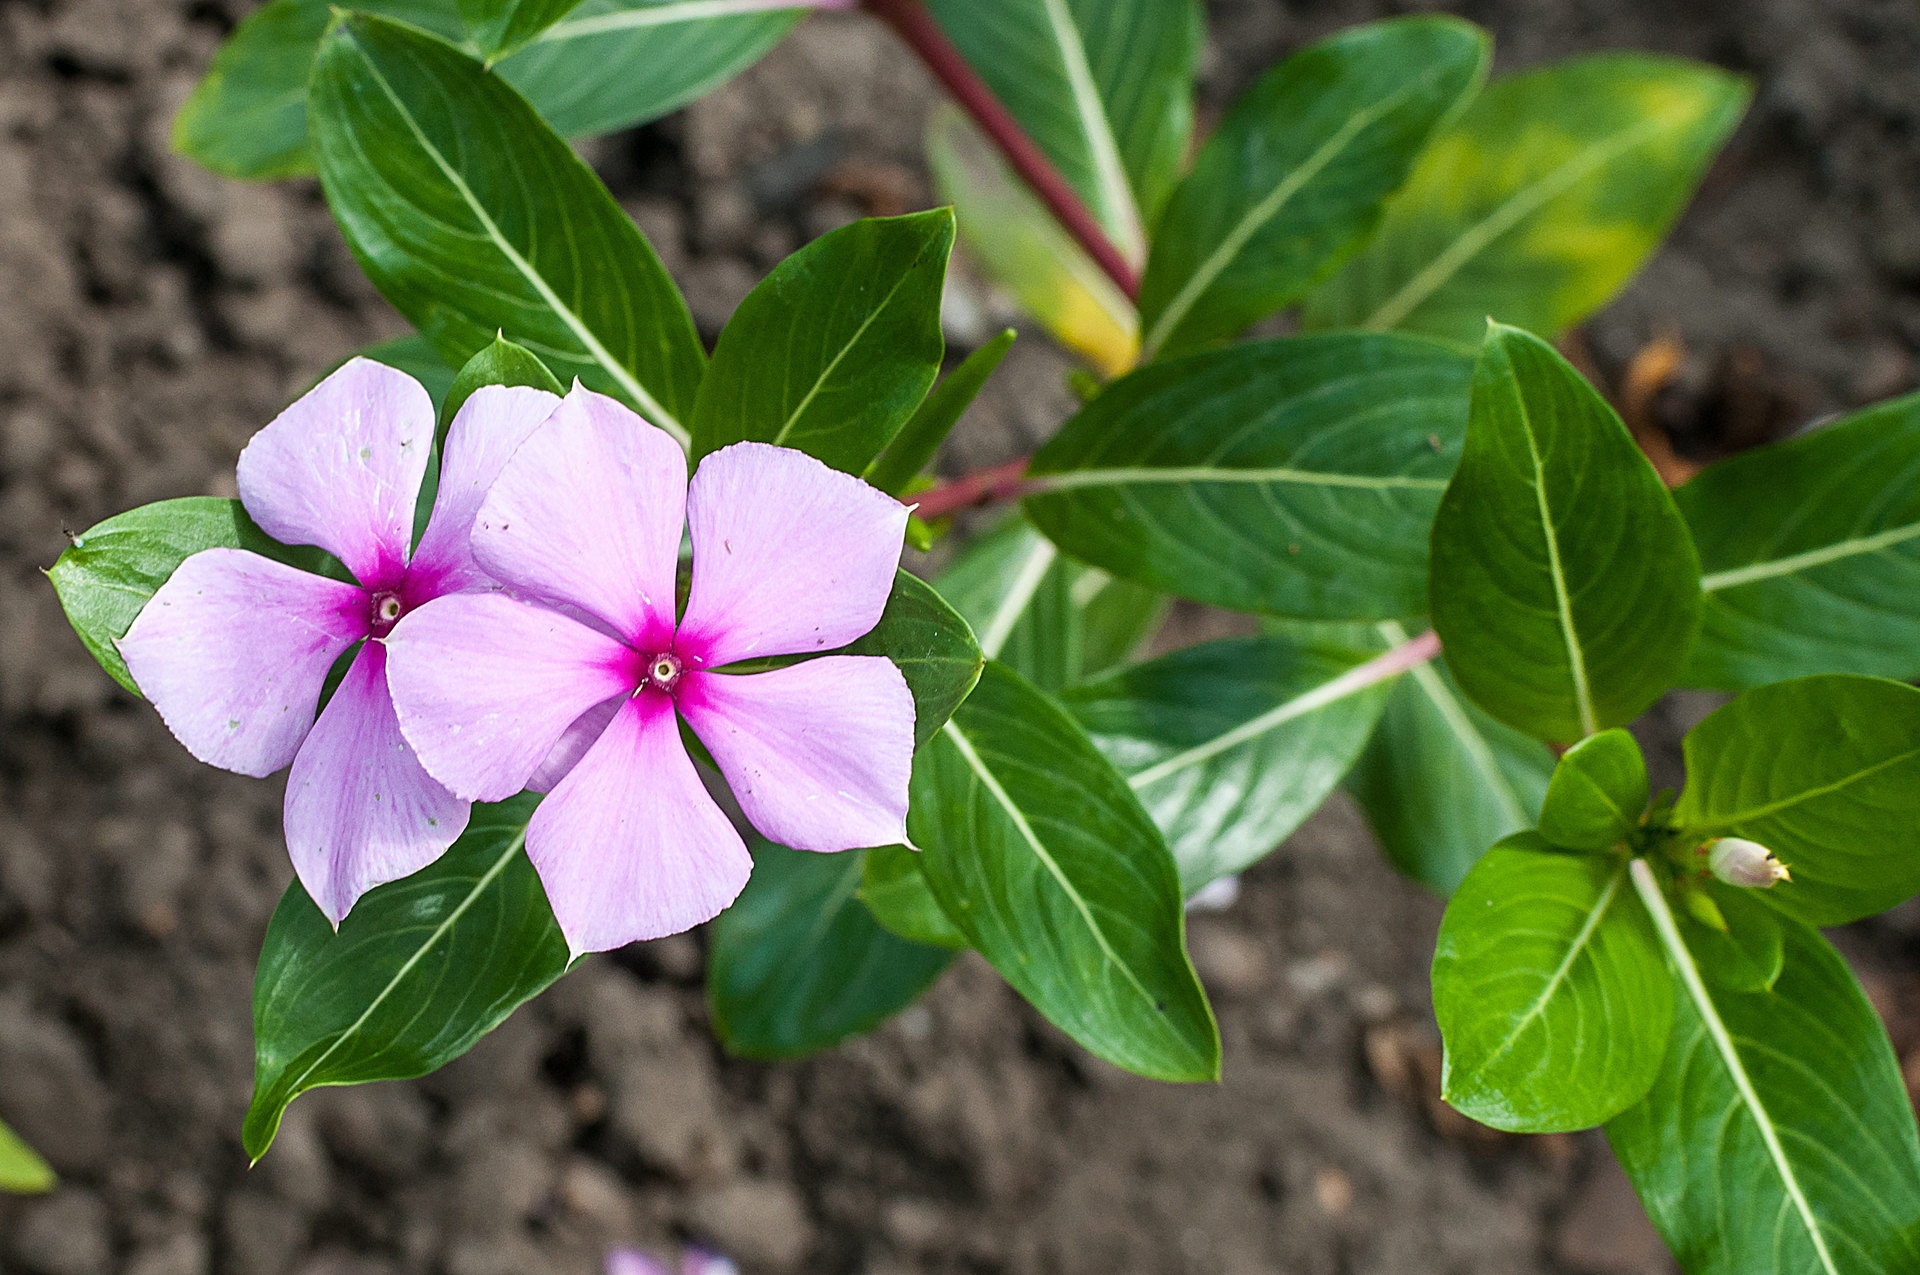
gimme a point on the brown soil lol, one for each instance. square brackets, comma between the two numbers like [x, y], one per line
[154, 316]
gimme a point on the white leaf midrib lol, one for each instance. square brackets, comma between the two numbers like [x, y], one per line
[1563, 601]
[1807, 560]
[1116, 191]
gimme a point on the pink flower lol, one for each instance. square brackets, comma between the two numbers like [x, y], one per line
[233, 650]
[789, 558]
[628, 1261]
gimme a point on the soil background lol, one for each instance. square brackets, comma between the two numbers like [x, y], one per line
[153, 316]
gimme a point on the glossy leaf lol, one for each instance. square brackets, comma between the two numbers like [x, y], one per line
[419, 971]
[1441, 781]
[834, 350]
[913, 447]
[1597, 794]
[1232, 744]
[1745, 956]
[1293, 477]
[1015, 590]
[21, 1171]
[500, 362]
[1551, 991]
[475, 219]
[798, 965]
[1825, 773]
[1778, 1136]
[1564, 584]
[1117, 618]
[1042, 856]
[1811, 554]
[1294, 178]
[106, 576]
[896, 892]
[1541, 201]
[500, 27]
[933, 648]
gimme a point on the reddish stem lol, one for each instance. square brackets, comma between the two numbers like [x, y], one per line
[981, 487]
[911, 21]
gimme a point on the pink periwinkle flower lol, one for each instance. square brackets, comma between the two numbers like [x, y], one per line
[497, 692]
[695, 1261]
[234, 649]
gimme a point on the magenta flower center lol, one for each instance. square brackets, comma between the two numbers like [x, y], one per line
[663, 670]
[385, 611]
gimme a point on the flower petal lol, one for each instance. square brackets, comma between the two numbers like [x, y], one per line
[360, 809]
[589, 511]
[628, 1261]
[629, 845]
[341, 469]
[233, 651]
[818, 754]
[574, 744]
[486, 685]
[789, 557]
[490, 425]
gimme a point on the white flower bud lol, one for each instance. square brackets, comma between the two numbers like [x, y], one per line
[1744, 863]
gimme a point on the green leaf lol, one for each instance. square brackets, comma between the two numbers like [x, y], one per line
[1441, 781]
[1553, 998]
[420, 970]
[21, 1171]
[1541, 201]
[501, 27]
[913, 447]
[1825, 773]
[1293, 477]
[1564, 584]
[1744, 957]
[1597, 794]
[1117, 618]
[1042, 856]
[248, 117]
[896, 892]
[106, 576]
[1015, 590]
[475, 219]
[798, 965]
[834, 350]
[1294, 179]
[1103, 87]
[1778, 1136]
[932, 647]
[416, 356]
[1231, 745]
[1811, 554]
[500, 362]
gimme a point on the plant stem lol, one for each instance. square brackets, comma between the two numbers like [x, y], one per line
[981, 487]
[911, 21]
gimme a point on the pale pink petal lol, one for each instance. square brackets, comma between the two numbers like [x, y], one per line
[589, 511]
[489, 426]
[629, 845]
[486, 685]
[233, 651]
[360, 809]
[341, 469]
[574, 744]
[698, 1261]
[817, 754]
[627, 1261]
[789, 557]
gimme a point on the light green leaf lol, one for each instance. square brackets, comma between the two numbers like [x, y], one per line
[1042, 856]
[1117, 618]
[834, 350]
[475, 219]
[1231, 744]
[419, 971]
[931, 646]
[1564, 585]
[1293, 180]
[1597, 794]
[913, 447]
[1825, 773]
[1293, 477]
[1778, 1136]
[500, 27]
[1552, 995]
[896, 892]
[1014, 589]
[1541, 201]
[797, 965]
[1746, 955]
[21, 1171]
[500, 362]
[1811, 554]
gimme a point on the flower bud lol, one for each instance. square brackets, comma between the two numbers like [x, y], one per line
[1749, 864]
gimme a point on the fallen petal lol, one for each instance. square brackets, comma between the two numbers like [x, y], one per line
[486, 431]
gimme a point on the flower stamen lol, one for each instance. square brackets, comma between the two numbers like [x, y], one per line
[663, 670]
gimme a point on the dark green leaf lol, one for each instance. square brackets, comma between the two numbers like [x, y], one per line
[475, 219]
[1294, 477]
[1564, 583]
[1811, 554]
[1746, 955]
[416, 356]
[896, 892]
[798, 965]
[932, 647]
[1441, 781]
[21, 1171]
[420, 970]
[1597, 794]
[1042, 856]
[1294, 179]
[500, 27]
[1552, 995]
[1825, 773]
[1230, 745]
[500, 362]
[1541, 201]
[834, 350]
[1778, 1136]
[106, 576]
[913, 447]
